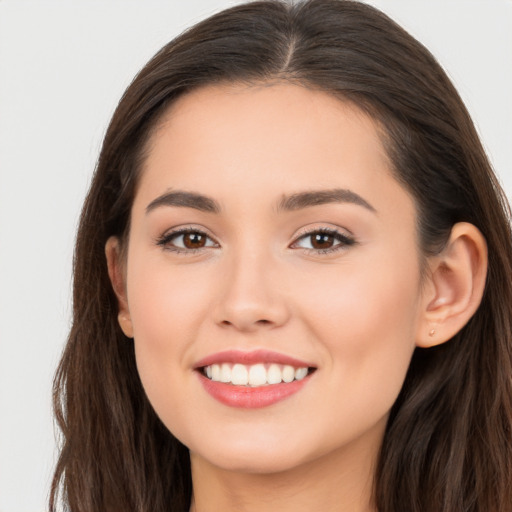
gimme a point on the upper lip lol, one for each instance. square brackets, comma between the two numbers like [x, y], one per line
[252, 357]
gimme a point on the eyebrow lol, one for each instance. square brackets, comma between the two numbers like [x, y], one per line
[186, 200]
[319, 197]
[292, 202]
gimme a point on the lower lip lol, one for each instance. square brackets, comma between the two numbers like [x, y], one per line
[246, 397]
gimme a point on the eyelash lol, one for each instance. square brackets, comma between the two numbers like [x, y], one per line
[166, 239]
[343, 240]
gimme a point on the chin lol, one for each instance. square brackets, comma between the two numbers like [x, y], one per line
[262, 464]
[256, 457]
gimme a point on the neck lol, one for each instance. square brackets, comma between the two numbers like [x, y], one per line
[339, 481]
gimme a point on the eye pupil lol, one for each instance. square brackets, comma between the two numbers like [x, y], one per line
[194, 240]
[322, 240]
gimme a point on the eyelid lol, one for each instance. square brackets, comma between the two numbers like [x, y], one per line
[343, 236]
[324, 228]
[164, 239]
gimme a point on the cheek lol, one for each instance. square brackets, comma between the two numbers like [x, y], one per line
[165, 302]
[166, 309]
[360, 297]
[366, 319]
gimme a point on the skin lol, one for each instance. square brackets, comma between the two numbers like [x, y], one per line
[355, 313]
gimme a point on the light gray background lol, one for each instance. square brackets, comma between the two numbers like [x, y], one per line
[63, 66]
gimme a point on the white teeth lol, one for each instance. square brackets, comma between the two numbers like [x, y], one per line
[257, 375]
[274, 374]
[216, 372]
[288, 373]
[254, 375]
[239, 375]
[225, 373]
[300, 373]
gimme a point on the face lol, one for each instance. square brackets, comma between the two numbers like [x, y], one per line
[271, 248]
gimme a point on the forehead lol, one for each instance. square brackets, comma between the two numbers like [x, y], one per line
[236, 140]
[279, 108]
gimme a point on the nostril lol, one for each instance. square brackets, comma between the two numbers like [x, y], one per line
[257, 322]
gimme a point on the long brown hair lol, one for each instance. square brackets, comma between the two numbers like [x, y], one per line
[448, 443]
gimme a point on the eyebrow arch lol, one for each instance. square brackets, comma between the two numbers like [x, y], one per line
[186, 200]
[319, 197]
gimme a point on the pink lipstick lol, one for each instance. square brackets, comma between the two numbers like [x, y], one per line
[252, 379]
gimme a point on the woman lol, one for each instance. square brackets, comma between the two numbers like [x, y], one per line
[292, 281]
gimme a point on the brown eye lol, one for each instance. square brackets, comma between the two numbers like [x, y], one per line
[194, 240]
[322, 240]
[186, 240]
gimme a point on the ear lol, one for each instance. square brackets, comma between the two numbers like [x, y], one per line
[455, 286]
[116, 272]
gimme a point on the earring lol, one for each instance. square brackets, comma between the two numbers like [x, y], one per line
[432, 332]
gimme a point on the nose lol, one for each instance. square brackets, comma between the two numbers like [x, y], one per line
[252, 294]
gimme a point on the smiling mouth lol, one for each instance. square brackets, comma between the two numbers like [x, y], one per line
[252, 380]
[254, 375]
